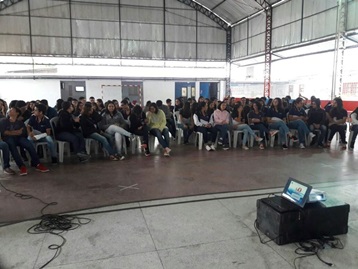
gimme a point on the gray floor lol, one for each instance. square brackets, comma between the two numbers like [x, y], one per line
[210, 231]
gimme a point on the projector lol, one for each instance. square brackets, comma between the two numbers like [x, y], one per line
[317, 196]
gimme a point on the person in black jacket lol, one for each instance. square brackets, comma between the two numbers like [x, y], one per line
[89, 120]
[138, 126]
[67, 129]
[317, 120]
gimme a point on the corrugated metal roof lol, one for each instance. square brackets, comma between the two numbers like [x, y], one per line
[233, 11]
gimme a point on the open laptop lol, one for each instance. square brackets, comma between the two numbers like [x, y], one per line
[294, 196]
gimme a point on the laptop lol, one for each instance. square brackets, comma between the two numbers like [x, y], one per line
[294, 196]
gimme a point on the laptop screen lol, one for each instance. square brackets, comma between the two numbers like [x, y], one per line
[297, 192]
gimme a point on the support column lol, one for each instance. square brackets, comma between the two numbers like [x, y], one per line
[228, 62]
[339, 48]
[268, 35]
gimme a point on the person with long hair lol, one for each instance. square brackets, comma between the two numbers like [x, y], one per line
[89, 120]
[111, 123]
[297, 117]
[276, 118]
[221, 123]
[157, 125]
[204, 124]
[67, 130]
[238, 123]
[354, 128]
[138, 126]
[317, 120]
[256, 121]
[337, 121]
[186, 121]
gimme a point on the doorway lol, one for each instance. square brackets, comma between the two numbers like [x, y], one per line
[185, 90]
[74, 89]
[209, 89]
[134, 91]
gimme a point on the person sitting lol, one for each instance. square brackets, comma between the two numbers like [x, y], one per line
[138, 126]
[337, 121]
[169, 117]
[67, 130]
[50, 111]
[39, 124]
[221, 118]
[276, 118]
[297, 117]
[354, 128]
[204, 124]
[239, 124]
[185, 122]
[88, 121]
[111, 123]
[256, 121]
[13, 132]
[6, 158]
[317, 120]
[157, 127]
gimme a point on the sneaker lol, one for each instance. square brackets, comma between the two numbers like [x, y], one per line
[146, 153]
[302, 146]
[166, 154]
[208, 148]
[344, 147]
[350, 148]
[261, 146]
[321, 146]
[41, 168]
[212, 147]
[245, 148]
[23, 170]
[225, 147]
[82, 154]
[310, 137]
[294, 138]
[9, 171]
[258, 139]
[113, 158]
[220, 141]
[84, 159]
[168, 150]
[284, 146]
[120, 157]
[273, 133]
[144, 146]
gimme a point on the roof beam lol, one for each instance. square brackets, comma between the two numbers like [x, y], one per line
[207, 12]
[7, 3]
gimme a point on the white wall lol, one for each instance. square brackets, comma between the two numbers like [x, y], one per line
[28, 89]
[154, 90]
[94, 88]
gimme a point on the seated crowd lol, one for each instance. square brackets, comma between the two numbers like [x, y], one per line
[114, 125]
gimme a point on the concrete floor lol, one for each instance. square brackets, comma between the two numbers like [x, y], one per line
[207, 231]
[174, 234]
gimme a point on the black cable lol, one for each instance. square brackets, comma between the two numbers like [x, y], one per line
[51, 223]
[258, 234]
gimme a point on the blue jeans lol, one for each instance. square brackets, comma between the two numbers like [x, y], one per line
[282, 129]
[223, 132]
[105, 143]
[322, 132]
[75, 139]
[14, 142]
[164, 142]
[50, 143]
[5, 155]
[264, 132]
[354, 136]
[302, 129]
[247, 130]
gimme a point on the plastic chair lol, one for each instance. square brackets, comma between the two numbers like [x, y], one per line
[61, 144]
